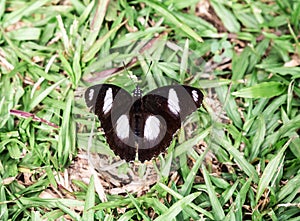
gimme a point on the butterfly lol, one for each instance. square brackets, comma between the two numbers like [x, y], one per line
[141, 126]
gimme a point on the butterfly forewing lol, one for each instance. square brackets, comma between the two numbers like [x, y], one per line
[142, 124]
[177, 101]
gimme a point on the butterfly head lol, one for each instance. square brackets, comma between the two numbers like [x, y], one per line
[137, 93]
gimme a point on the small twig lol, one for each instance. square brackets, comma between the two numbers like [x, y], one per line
[289, 205]
[34, 118]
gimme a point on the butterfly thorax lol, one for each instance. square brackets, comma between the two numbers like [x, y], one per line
[137, 93]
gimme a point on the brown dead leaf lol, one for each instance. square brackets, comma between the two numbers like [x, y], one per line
[294, 62]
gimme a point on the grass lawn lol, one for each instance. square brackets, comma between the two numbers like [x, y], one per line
[236, 158]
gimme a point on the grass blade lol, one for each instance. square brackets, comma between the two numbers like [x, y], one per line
[96, 23]
[215, 203]
[263, 90]
[258, 138]
[226, 16]
[270, 171]
[36, 100]
[88, 212]
[177, 207]
[90, 54]
[28, 9]
[169, 16]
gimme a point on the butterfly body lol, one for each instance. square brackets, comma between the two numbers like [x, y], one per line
[142, 125]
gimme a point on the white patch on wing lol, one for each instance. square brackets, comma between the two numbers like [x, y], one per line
[195, 95]
[173, 102]
[152, 128]
[122, 127]
[108, 100]
[91, 94]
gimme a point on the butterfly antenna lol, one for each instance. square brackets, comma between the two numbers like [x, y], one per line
[130, 76]
[150, 66]
[125, 67]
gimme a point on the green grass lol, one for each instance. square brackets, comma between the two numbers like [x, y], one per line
[243, 54]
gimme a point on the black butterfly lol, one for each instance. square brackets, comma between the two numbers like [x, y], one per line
[142, 125]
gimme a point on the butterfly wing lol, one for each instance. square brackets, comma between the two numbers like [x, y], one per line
[148, 123]
[164, 109]
[112, 104]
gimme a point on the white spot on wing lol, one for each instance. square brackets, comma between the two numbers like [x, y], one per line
[91, 94]
[152, 128]
[108, 100]
[122, 128]
[195, 95]
[173, 102]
